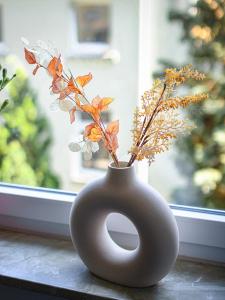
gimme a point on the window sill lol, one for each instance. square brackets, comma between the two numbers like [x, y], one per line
[47, 211]
[52, 267]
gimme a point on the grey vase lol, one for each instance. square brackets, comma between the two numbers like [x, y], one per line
[120, 191]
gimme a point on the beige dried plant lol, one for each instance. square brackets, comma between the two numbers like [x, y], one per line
[157, 122]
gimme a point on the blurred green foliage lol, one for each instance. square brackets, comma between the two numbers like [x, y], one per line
[202, 154]
[3, 83]
[25, 139]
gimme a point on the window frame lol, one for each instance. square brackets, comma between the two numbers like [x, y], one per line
[22, 208]
[4, 50]
[86, 50]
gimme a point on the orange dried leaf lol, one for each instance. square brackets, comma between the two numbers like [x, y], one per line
[88, 129]
[55, 67]
[95, 102]
[114, 143]
[112, 130]
[93, 111]
[72, 114]
[105, 102]
[88, 108]
[29, 56]
[101, 103]
[83, 80]
[64, 93]
[57, 85]
[111, 143]
[93, 132]
[72, 86]
[51, 66]
[113, 127]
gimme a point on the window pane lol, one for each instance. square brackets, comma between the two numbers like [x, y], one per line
[93, 23]
[35, 133]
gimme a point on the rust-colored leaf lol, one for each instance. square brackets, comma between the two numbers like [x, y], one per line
[64, 93]
[113, 127]
[72, 114]
[30, 57]
[105, 102]
[57, 85]
[111, 144]
[93, 132]
[88, 108]
[55, 67]
[114, 143]
[83, 80]
[95, 102]
[101, 103]
[72, 87]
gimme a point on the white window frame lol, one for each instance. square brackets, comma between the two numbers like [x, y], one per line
[90, 50]
[4, 50]
[46, 211]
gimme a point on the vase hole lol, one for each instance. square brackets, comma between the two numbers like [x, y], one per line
[128, 240]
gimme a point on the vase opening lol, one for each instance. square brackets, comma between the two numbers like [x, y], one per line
[125, 241]
[120, 175]
[122, 165]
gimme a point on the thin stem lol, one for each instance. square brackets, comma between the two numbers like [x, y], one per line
[141, 140]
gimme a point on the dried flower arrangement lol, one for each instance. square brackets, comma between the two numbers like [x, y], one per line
[156, 122]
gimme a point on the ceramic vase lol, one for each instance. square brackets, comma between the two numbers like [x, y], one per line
[120, 191]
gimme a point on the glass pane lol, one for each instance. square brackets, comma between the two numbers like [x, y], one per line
[93, 23]
[35, 132]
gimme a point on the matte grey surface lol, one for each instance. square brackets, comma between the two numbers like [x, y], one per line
[120, 191]
[52, 267]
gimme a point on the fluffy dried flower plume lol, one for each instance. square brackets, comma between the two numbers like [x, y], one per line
[157, 122]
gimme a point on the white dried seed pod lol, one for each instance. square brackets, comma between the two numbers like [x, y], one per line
[65, 105]
[74, 147]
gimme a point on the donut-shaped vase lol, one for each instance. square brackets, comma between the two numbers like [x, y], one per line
[121, 192]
